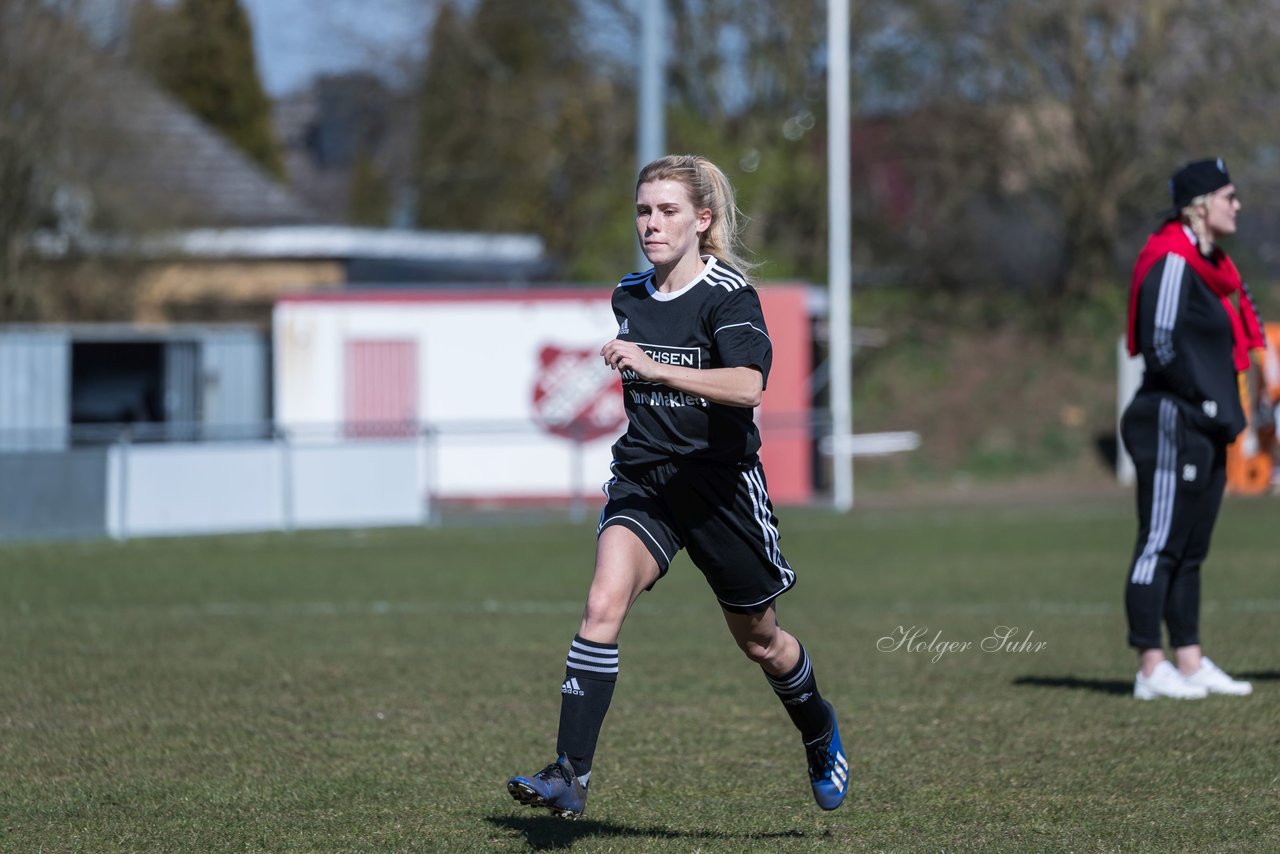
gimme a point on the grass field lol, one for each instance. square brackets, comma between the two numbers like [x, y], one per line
[371, 691]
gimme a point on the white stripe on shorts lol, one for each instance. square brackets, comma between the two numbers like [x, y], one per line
[754, 479]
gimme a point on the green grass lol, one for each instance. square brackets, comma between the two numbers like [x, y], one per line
[372, 691]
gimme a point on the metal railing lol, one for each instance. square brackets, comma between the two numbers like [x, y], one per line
[146, 478]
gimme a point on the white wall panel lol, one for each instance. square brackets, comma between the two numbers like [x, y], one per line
[479, 366]
[35, 394]
[155, 490]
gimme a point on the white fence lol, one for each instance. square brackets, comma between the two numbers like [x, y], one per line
[166, 479]
[200, 488]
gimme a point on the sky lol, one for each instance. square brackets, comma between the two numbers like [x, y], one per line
[295, 40]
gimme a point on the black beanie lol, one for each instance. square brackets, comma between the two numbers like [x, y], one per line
[1196, 179]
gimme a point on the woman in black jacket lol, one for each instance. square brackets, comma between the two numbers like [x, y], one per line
[1191, 318]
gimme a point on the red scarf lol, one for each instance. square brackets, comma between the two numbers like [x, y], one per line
[1217, 272]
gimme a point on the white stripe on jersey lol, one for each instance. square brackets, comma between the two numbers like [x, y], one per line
[1167, 306]
[1163, 493]
[726, 278]
[632, 279]
[716, 274]
[743, 323]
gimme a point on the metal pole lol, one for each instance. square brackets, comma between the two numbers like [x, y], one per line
[651, 130]
[427, 469]
[287, 498]
[840, 250]
[577, 501]
[122, 469]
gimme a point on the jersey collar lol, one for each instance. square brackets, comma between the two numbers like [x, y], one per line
[670, 295]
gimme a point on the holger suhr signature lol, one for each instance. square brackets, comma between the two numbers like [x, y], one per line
[916, 639]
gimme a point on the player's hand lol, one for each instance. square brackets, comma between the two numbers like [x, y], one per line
[627, 356]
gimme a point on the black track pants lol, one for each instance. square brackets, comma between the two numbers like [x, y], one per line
[1181, 477]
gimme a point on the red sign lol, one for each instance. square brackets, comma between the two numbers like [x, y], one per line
[576, 395]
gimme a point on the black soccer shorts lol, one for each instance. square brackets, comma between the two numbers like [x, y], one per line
[721, 514]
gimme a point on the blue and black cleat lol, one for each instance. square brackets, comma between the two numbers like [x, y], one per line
[555, 787]
[828, 767]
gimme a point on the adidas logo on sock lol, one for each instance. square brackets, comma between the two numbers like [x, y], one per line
[570, 686]
[795, 701]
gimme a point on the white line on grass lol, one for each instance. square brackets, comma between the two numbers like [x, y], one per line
[518, 608]
[536, 608]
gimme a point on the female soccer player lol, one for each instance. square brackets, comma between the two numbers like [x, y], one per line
[1191, 318]
[694, 355]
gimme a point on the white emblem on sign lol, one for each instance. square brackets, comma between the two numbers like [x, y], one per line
[576, 395]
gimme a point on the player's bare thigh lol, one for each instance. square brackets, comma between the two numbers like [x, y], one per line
[624, 568]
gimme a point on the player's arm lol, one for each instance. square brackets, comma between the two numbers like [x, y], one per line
[1161, 305]
[738, 386]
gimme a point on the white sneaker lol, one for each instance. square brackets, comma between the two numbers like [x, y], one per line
[1166, 681]
[1211, 677]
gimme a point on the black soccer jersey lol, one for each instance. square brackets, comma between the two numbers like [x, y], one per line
[713, 322]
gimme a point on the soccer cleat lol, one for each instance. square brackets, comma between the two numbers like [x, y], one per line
[828, 768]
[1166, 681]
[555, 787]
[1212, 678]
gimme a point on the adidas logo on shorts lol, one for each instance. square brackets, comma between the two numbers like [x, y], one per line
[570, 686]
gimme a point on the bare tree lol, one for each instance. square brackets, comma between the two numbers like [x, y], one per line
[41, 65]
[523, 127]
[1074, 113]
[996, 142]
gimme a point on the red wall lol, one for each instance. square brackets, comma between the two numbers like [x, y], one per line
[784, 414]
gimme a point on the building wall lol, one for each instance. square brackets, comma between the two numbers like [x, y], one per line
[181, 290]
[521, 406]
[215, 385]
[235, 383]
[34, 389]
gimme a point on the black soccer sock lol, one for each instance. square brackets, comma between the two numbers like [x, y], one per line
[798, 691]
[590, 672]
